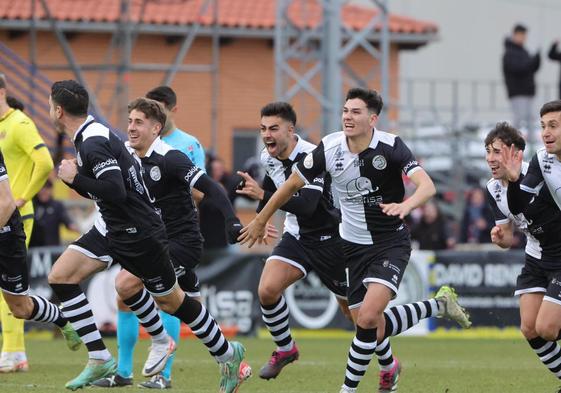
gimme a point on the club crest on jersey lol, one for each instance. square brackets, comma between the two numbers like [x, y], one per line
[79, 159]
[155, 173]
[379, 162]
[309, 161]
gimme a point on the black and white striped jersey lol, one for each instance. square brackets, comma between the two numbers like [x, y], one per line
[497, 197]
[363, 181]
[169, 176]
[104, 168]
[543, 180]
[545, 169]
[322, 221]
[15, 219]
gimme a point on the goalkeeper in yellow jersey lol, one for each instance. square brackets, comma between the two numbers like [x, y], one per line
[29, 163]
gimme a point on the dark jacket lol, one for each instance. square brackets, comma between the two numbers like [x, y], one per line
[519, 69]
[555, 54]
[431, 236]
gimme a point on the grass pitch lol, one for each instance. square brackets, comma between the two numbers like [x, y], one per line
[430, 365]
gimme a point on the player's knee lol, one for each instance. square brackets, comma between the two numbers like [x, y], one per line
[548, 330]
[528, 331]
[268, 293]
[368, 320]
[126, 287]
[58, 277]
[18, 309]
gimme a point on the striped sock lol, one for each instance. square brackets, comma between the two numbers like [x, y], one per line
[45, 311]
[76, 308]
[144, 307]
[385, 355]
[361, 352]
[549, 353]
[403, 317]
[275, 317]
[205, 328]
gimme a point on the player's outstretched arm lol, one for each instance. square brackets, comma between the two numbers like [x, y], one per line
[303, 204]
[255, 231]
[424, 191]
[217, 197]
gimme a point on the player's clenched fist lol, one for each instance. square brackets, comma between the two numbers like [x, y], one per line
[497, 234]
[67, 171]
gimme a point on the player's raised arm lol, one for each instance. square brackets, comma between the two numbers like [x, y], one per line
[255, 231]
[425, 190]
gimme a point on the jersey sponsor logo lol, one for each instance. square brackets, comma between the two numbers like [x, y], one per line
[360, 186]
[409, 165]
[309, 161]
[133, 181]
[155, 173]
[379, 162]
[190, 174]
[358, 162]
[107, 163]
[318, 180]
[79, 159]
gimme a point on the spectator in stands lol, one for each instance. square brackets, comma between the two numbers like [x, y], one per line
[478, 219]
[50, 214]
[519, 68]
[555, 54]
[432, 232]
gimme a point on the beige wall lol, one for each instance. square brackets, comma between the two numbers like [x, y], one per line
[246, 80]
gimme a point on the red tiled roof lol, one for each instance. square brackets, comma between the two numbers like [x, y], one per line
[252, 14]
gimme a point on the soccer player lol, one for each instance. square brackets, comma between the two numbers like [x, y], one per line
[536, 195]
[14, 272]
[29, 163]
[172, 135]
[311, 242]
[134, 234]
[169, 177]
[366, 167]
[127, 323]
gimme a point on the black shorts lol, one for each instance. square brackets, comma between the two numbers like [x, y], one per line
[93, 245]
[382, 263]
[147, 258]
[13, 262]
[186, 255]
[326, 260]
[535, 279]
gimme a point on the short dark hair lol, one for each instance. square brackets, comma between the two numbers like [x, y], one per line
[371, 98]
[13, 102]
[507, 134]
[281, 109]
[163, 94]
[519, 28]
[71, 96]
[551, 106]
[152, 109]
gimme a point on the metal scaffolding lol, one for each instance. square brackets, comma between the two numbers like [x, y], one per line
[322, 51]
[123, 37]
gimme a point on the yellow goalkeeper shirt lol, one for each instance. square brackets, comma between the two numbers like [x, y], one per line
[27, 158]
